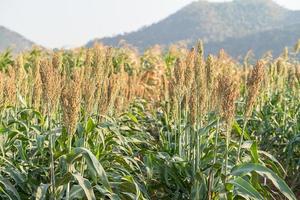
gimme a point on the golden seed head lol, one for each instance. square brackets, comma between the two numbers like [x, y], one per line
[102, 98]
[193, 105]
[171, 88]
[165, 88]
[188, 74]
[21, 76]
[210, 72]
[51, 84]
[253, 86]
[285, 54]
[71, 99]
[292, 76]
[228, 92]
[2, 84]
[280, 67]
[57, 60]
[179, 71]
[10, 87]
[98, 56]
[200, 49]
[37, 86]
[298, 72]
[88, 59]
[89, 86]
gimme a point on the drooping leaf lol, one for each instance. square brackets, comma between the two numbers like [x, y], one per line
[85, 185]
[76, 192]
[94, 164]
[246, 168]
[245, 189]
[9, 188]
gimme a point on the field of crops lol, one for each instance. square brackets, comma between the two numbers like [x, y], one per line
[109, 123]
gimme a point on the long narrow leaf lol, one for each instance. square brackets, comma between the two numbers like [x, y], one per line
[263, 171]
[86, 186]
[245, 189]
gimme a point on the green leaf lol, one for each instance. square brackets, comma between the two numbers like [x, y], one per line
[76, 192]
[85, 185]
[9, 188]
[133, 118]
[65, 179]
[246, 168]
[94, 164]
[90, 125]
[130, 180]
[254, 153]
[245, 189]
[272, 158]
[17, 177]
[41, 191]
[236, 127]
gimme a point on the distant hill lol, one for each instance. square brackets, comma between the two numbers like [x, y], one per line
[237, 26]
[13, 40]
[274, 40]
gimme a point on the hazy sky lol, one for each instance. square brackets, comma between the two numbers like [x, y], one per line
[58, 23]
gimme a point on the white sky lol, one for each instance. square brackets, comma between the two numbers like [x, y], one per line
[58, 23]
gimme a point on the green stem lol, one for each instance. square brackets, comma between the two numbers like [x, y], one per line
[84, 146]
[52, 167]
[179, 128]
[69, 168]
[241, 140]
[51, 153]
[211, 177]
[200, 144]
[226, 152]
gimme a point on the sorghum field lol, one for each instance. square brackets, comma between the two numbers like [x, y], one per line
[109, 123]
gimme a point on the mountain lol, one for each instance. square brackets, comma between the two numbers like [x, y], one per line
[274, 40]
[13, 40]
[216, 24]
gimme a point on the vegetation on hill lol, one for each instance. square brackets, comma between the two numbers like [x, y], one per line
[14, 41]
[274, 40]
[215, 24]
